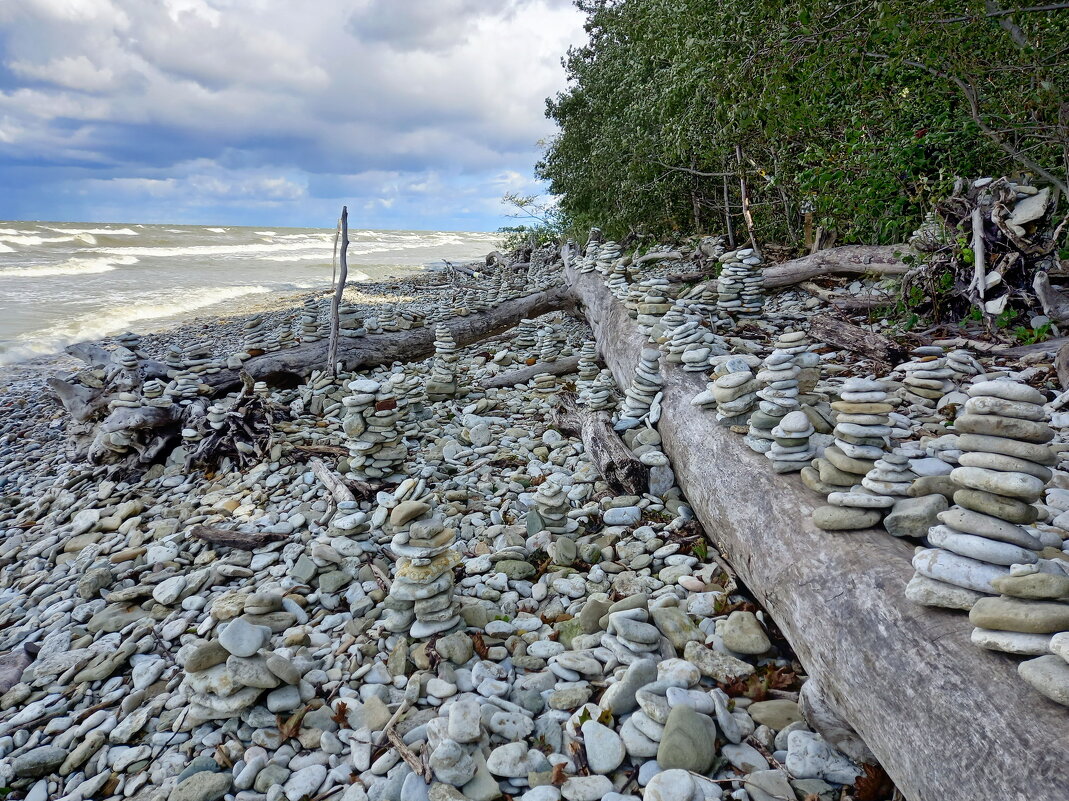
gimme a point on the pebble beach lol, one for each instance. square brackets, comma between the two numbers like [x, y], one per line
[477, 613]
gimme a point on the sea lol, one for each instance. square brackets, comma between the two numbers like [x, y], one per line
[62, 283]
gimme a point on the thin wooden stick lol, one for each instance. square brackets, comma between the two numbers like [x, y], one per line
[979, 273]
[745, 198]
[727, 213]
[339, 291]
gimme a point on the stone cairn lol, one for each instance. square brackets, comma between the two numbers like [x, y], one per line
[442, 384]
[421, 600]
[740, 283]
[312, 330]
[643, 396]
[526, 334]
[779, 393]
[652, 303]
[606, 255]
[376, 448]
[861, 427]
[600, 395]
[791, 449]
[1003, 467]
[350, 323]
[588, 365]
[691, 344]
[617, 280]
[927, 380]
[255, 338]
[130, 341]
[548, 346]
[733, 393]
[549, 512]
[286, 337]
[228, 675]
[153, 394]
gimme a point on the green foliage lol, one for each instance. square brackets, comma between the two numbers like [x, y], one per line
[858, 112]
[1030, 336]
[545, 223]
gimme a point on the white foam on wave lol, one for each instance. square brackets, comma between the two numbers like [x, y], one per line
[75, 266]
[206, 250]
[118, 317]
[5, 249]
[94, 231]
[30, 239]
[266, 233]
[217, 230]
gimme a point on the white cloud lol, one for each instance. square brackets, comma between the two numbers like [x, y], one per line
[317, 91]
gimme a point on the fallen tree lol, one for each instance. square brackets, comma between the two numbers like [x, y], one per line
[625, 474]
[843, 260]
[569, 364]
[946, 719]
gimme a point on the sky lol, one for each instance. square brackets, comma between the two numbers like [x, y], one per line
[417, 114]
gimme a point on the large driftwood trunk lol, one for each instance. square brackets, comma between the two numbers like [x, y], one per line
[844, 260]
[948, 720]
[292, 365]
[625, 474]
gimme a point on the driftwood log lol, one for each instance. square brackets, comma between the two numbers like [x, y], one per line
[625, 474]
[946, 719]
[568, 364]
[844, 260]
[847, 336]
[289, 367]
[245, 541]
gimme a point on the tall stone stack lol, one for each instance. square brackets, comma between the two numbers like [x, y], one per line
[128, 360]
[607, 254]
[644, 392]
[963, 365]
[526, 334]
[286, 336]
[356, 404]
[548, 346]
[862, 426]
[550, 511]
[735, 393]
[927, 379]
[616, 281]
[130, 340]
[588, 365]
[779, 391]
[654, 304]
[442, 384]
[740, 283]
[350, 323]
[378, 450]
[255, 338]
[1003, 466]
[312, 330]
[421, 600]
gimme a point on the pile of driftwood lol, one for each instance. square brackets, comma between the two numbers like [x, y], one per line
[988, 252]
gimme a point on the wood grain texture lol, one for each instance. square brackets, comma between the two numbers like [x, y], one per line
[948, 721]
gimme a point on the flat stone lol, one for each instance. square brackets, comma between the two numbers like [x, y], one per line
[1012, 642]
[912, 517]
[687, 742]
[1012, 614]
[38, 762]
[993, 528]
[1040, 454]
[988, 503]
[979, 548]
[929, 592]
[845, 518]
[586, 788]
[1014, 485]
[1049, 675]
[242, 638]
[768, 785]
[1008, 390]
[670, 785]
[716, 665]
[204, 785]
[743, 634]
[676, 625]
[960, 571]
[776, 714]
[1037, 586]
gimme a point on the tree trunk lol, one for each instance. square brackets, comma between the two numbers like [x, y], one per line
[845, 260]
[511, 378]
[625, 474]
[946, 719]
[245, 541]
[339, 293]
[847, 336]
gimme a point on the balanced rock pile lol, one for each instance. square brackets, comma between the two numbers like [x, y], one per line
[791, 449]
[256, 337]
[862, 424]
[600, 395]
[928, 379]
[526, 334]
[740, 283]
[1003, 467]
[350, 323]
[442, 383]
[421, 597]
[642, 398]
[377, 449]
[311, 328]
[733, 392]
[779, 393]
[691, 344]
[588, 365]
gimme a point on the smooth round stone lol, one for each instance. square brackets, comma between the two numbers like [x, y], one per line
[981, 548]
[586, 788]
[1005, 408]
[1014, 485]
[604, 748]
[845, 518]
[852, 407]
[997, 505]
[242, 638]
[961, 571]
[859, 500]
[670, 785]
[992, 528]
[1040, 454]
[1011, 642]
[1006, 464]
[743, 634]
[1013, 614]
[864, 385]
[930, 592]
[795, 423]
[686, 742]
[1008, 390]
[1010, 427]
[1048, 675]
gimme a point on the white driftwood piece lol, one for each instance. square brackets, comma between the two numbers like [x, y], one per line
[946, 719]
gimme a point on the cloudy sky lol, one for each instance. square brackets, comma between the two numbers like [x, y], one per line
[415, 113]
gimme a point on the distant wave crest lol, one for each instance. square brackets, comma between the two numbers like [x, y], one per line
[73, 266]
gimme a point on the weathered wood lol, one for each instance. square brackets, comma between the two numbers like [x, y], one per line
[331, 480]
[1061, 365]
[289, 367]
[854, 338]
[947, 720]
[845, 260]
[568, 364]
[1055, 304]
[245, 541]
[842, 302]
[339, 293]
[625, 474]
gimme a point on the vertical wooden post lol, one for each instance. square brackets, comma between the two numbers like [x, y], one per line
[745, 198]
[339, 291]
[727, 213]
